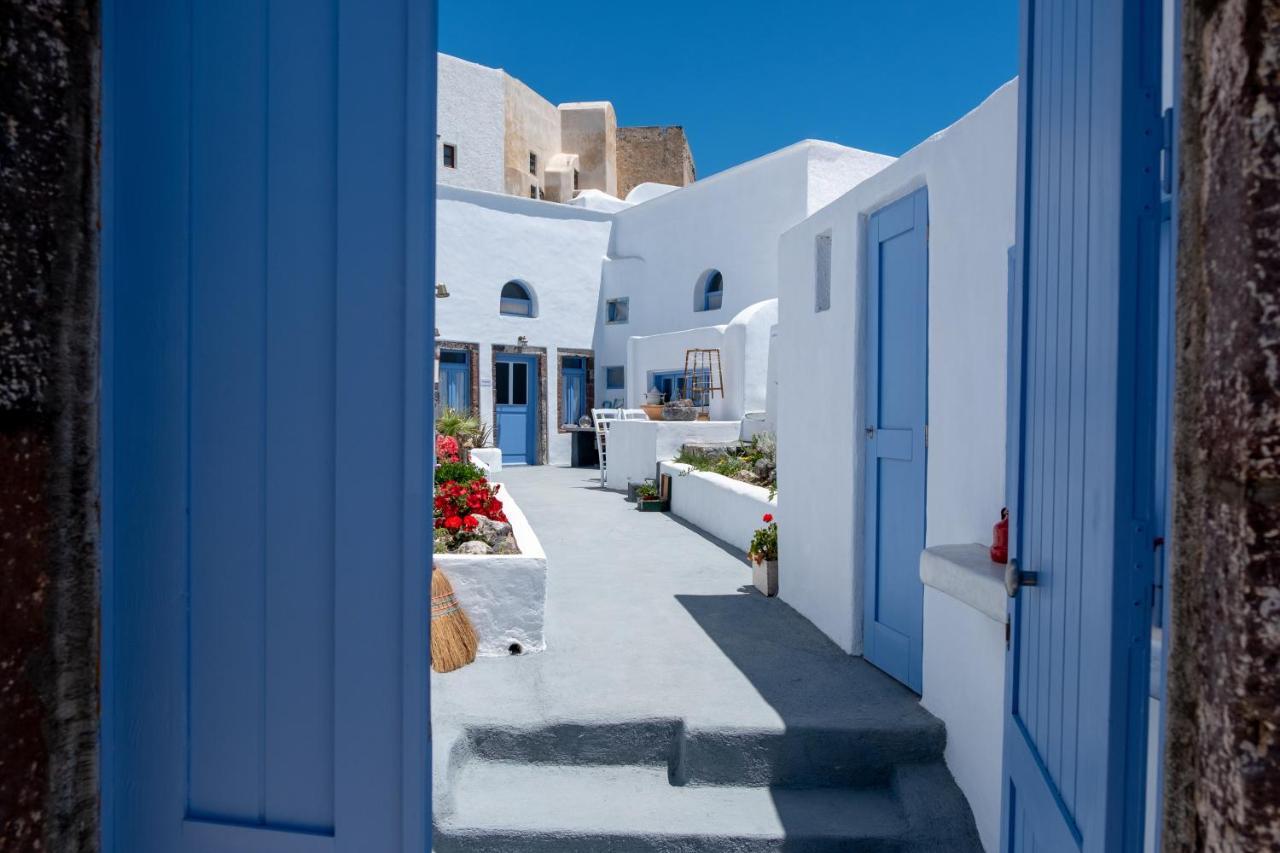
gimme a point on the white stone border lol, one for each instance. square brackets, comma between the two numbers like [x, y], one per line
[504, 595]
[728, 509]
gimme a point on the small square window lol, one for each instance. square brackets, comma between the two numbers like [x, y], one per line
[533, 192]
[450, 156]
[617, 310]
[615, 377]
[822, 272]
[575, 179]
[533, 163]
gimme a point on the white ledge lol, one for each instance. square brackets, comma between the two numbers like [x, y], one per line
[966, 573]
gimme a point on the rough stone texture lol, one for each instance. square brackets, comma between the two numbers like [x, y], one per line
[48, 414]
[1222, 780]
[657, 154]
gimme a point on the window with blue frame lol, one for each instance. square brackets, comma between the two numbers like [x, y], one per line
[674, 385]
[517, 300]
[617, 310]
[573, 389]
[455, 379]
[615, 378]
[710, 293]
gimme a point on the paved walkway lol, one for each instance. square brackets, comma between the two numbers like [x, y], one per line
[676, 709]
[648, 617]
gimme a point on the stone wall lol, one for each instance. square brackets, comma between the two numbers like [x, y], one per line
[1222, 746]
[48, 426]
[653, 154]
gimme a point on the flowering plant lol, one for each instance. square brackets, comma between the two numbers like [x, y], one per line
[764, 544]
[447, 449]
[458, 507]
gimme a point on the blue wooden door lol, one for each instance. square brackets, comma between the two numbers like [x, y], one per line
[896, 359]
[267, 249]
[515, 392]
[1082, 424]
[574, 393]
[455, 380]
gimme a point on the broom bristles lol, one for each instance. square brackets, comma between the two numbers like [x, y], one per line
[453, 639]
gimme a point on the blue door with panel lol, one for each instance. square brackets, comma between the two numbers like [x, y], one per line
[574, 393]
[1082, 391]
[896, 413]
[455, 380]
[267, 251]
[515, 400]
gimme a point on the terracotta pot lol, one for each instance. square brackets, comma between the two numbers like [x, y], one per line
[764, 574]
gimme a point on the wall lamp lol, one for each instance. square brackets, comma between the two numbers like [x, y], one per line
[442, 291]
[522, 341]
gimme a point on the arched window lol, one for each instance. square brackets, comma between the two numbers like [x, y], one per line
[710, 291]
[517, 300]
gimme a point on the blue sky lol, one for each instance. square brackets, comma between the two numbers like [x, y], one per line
[746, 78]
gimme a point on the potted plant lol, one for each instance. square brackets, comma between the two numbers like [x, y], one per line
[764, 557]
[649, 498]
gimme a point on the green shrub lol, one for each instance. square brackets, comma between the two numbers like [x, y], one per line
[459, 472]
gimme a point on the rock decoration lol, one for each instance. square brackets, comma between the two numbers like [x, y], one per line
[679, 410]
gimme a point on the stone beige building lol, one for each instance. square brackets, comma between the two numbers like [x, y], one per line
[653, 153]
[495, 133]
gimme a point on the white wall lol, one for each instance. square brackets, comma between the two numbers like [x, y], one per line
[744, 341]
[964, 687]
[730, 222]
[969, 170]
[470, 114]
[636, 447]
[728, 509]
[487, 239]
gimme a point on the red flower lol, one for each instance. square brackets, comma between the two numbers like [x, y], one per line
[768, 517]
[452, 522]
[470, 522]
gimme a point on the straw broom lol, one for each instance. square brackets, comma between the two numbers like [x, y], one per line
[453, 639]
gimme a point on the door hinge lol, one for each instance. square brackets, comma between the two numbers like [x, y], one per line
[1008, 632]
[926, 435]
[1166, 153]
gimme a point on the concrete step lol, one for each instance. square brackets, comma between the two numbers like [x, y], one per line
[502, 807]
[855, 755]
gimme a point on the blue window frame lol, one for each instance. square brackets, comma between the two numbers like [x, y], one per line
[517, 300]
[455, 379]
[615, 377]
[710, 293]
[674, 385]
[573, 380]
[617, 310]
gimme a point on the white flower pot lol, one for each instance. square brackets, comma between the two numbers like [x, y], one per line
[764, 574]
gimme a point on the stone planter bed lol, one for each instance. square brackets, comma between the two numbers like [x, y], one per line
[504, 595]
[726, 508]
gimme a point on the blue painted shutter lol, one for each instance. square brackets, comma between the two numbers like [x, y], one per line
[1081, 424]
[267, 249]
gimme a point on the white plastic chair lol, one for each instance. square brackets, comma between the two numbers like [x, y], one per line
[635, 415]
[600, 422]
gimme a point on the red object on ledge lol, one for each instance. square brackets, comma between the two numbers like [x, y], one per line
[1000, 538]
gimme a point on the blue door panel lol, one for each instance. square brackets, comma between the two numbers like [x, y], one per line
[516, 407]
[1080, 355]
[896, 355]
[267, 217]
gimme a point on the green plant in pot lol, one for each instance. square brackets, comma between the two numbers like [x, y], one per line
[764, 557]
[649, 497]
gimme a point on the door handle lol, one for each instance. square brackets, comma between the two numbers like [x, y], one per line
[1015, 579]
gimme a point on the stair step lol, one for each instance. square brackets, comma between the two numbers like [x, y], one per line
[503, 807]
[798, 756]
